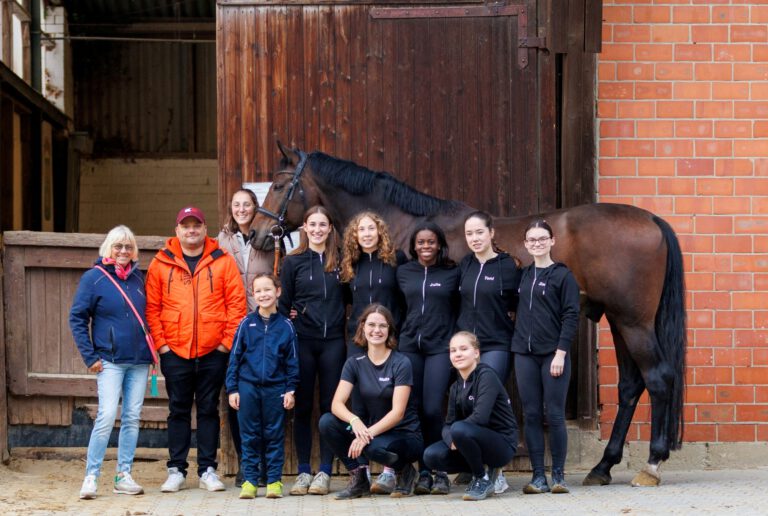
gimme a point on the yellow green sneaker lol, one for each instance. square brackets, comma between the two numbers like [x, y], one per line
[275, 490]
[248, 491]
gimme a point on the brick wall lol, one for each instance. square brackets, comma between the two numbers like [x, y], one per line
[146, 194]
[683, 132]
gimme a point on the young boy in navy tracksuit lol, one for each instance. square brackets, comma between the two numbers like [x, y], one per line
[261, 379]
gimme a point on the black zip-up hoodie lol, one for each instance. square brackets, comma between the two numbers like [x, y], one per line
[317, 296]
[488, 292]
[548, 312]
[432, 301]
[375, 282]
[481, 399]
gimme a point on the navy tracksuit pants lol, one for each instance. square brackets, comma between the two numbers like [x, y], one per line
[262, 417]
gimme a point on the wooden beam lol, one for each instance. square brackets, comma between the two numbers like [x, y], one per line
[3, 389]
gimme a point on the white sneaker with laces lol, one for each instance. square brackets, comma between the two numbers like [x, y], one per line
[321, 484]
[88, 490]
[210, 481]
[124, 484]
[501, 484]
[174, 482]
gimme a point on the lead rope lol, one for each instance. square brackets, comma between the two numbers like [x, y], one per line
[277, 235]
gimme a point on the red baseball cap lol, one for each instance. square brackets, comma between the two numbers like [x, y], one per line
[190, 211]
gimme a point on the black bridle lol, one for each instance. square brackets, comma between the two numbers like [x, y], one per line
[280, 230]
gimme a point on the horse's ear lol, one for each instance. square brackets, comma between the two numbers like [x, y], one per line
[290, 156]
[283, 150]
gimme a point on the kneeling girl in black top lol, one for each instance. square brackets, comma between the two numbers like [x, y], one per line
[480, 428]
[390, 433]
[547, 321]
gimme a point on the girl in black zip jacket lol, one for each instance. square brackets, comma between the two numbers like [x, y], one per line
[480, 428]
[430, 286]
[547, 321]
[488, 288]
[311, 290]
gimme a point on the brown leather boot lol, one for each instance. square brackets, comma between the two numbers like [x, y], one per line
[358, 485]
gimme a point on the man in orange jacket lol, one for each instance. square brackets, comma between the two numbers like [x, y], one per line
[195, 301]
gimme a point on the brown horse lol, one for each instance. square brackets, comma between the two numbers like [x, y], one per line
[626, 260]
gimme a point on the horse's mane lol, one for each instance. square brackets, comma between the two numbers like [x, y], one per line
[358, 180]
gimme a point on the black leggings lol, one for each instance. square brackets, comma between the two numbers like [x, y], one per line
[431, 378]
[500, 361]
[476, 446]
[322, 358]
[539, 389]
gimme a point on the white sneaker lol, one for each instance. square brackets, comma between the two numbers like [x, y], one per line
[321, 484]
[501, 484]
[126, 485]
[88, 490]
[174, 482]
[210, 481]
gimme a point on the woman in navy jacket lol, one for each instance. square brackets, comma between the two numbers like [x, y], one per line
[547, 321]
[313, 297]
[112, 343]
[430, 286]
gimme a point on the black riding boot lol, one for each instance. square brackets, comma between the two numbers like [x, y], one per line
[358, 485]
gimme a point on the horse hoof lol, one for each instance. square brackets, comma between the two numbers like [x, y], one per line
[646, 478]
[596, 479]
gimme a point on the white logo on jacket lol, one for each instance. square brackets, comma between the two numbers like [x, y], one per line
[489, 278]
[435, 285]
[384, 378]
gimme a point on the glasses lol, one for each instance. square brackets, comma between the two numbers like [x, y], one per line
[537, 241]
[120, 247]
[374, 326]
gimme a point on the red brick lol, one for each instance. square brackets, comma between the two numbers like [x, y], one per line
[752, 110]
[684, 224]
[751, 186]
[711, 300]
[761, 129]
[637, 186]
[607, 375]
[714, 225]
[632, 33]
[654, 14]
[735, 433]
[676, 186]
[674, 71]
[734, 394]
[607, 148]
[760, 205]
[732, 52]
[614, 90]
[714, 337]
[654, 53]
[616, 167]
[670, 33]
[761, 167]
[749, 300]
[634, 71]
[715, 413]
[714, 71]
[655, 204]
[761, 244]
[606, 186]
[746, 263]
[699, 394]
[699, 52]
[653, 90]
[733, 357]
[698, 280]
[733, 167]
[751, 224]
[733, 244]
[639, 109]
[760, 358]
[674, 148]
[761, 283]
[693, 205]
[709, 33]
[750, 72]
[696, 243]
[732, 129]
[617, 52]
[690, 14]
[695, 167]
[714, 186]
[730, 14]
[617, 14]
[714, 109]
[606, 109]
[754, 33]
[655, 129]
[750, 338]
[606, 71]
[759, 14]
[636, 148]
[750, 148]
[693, 90]
[693, 129]
[714, 148]
[730, 90]
[752, 413]
[617, 129]
[656, 167]
[674, 109]
[699, 433]
[733, 319]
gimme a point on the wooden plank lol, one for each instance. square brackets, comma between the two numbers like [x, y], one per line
[84, 240]
[50, 321]
[593, 26]
[294, 27]
[374, 95]
[405, 104]
[16, 316]
[261, 142]
[486, 100]
[248, 96]
[358, 107]
[326, 80]
[4, 457]
[79, 385]
[69, 357]
[343, 82]
[312, 44]
[390, 127]
[235, 3]
[424, 156]
[277, 104]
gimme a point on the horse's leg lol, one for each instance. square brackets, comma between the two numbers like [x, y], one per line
[631, 386]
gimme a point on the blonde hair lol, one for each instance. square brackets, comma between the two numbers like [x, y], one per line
[471, 338]
[351, 249]
[119, 234]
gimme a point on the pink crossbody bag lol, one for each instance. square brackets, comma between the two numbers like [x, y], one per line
[147, 336]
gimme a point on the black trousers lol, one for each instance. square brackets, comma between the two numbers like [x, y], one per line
[197, 381]
[394, 448]
[476, 446]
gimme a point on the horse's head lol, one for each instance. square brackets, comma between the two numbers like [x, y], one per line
[291, 193]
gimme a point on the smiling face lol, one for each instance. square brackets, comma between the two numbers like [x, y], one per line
[122, 252]
[368, 235]
[463, 354]
[479, 236]
[317, 227]
[191, 233]
[376, 330]
[265, 292]
[243, 209]
[538, 242]
[426, 246]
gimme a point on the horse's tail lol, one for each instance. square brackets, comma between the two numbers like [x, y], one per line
[671, 331]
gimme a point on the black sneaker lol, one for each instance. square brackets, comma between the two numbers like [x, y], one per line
[479, 489]
[537, 485]
[423, 484]
[462, 479]
[406, 477]
[358, 485]
[441, 485]
[558, 482]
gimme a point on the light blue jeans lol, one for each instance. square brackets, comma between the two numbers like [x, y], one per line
[130, 381]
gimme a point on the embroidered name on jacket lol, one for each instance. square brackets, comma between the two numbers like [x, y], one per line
[489, 278]
[384, 378]
[542, 284]
[435, 284]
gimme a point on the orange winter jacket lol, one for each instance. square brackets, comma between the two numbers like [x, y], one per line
[195, 313]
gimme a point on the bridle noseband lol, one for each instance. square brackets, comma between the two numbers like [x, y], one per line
[280, 230]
